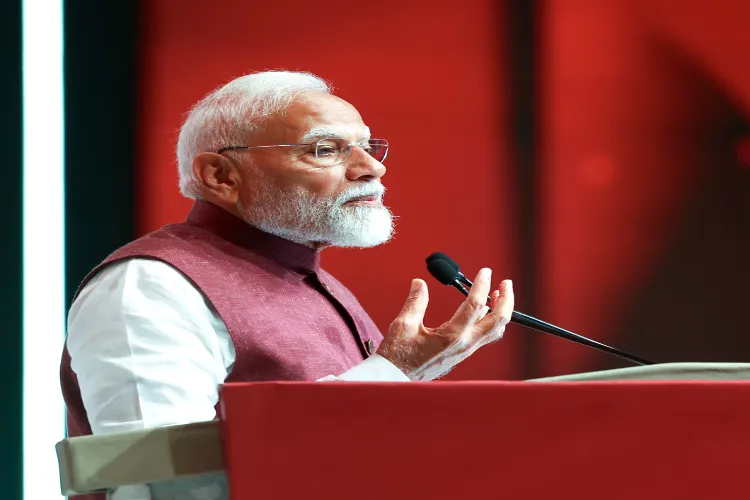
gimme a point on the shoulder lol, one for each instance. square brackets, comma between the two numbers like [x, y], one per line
[164, 253]
[137, 269]
[142, 276]
[170, 240]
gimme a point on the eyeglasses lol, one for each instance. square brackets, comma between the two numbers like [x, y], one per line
[329, 152]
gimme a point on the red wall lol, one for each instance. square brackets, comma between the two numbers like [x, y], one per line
[426, 76]
[635, 101]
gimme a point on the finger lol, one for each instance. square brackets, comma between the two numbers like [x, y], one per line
[471, 310]
[502, 309]
[491, 302]
[413, 311]
[494, 297]
[483, 312]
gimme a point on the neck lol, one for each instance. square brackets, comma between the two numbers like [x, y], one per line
[238, 210]
[230, 226]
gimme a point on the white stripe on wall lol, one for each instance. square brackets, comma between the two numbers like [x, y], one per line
[43, 245]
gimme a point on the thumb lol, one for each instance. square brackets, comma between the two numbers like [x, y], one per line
[416, 303]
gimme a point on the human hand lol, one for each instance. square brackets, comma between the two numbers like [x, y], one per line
[424, 353]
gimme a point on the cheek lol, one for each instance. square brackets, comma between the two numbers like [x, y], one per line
[325, 183]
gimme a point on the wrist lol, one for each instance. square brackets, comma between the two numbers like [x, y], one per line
[398, 358]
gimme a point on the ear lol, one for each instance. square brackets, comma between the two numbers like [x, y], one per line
[219, 176]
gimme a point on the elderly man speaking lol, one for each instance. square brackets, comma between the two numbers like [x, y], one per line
[279, 169]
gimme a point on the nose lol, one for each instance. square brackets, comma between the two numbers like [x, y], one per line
[360, 166]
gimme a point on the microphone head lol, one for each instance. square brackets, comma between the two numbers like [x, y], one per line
[442, 271]
[443, 257]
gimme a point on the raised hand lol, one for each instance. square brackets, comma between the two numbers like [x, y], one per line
[424, 353]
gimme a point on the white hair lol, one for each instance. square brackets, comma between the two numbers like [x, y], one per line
[225, 116]
[295, 214]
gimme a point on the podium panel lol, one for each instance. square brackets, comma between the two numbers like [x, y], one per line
[476, 440]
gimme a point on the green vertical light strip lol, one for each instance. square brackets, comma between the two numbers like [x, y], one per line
[43, 244]
[11, 440]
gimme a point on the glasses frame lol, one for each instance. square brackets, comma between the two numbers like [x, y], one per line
[350, 146]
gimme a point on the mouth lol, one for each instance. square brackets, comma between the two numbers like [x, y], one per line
[372, 200]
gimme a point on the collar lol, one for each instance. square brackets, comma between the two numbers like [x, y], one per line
[222, 223]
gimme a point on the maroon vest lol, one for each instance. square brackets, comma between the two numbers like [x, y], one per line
[288, 318]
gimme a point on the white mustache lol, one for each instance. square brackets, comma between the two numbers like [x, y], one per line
[364, 190]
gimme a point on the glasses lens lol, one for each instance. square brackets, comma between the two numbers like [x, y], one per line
[378, 149]
[329, 152]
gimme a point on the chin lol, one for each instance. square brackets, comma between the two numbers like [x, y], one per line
[364, 242]
[371, 227]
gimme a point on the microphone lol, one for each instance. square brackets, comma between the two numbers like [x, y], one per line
[446, 271]
[459, 275]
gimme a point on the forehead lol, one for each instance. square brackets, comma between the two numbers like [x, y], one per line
[317, 116]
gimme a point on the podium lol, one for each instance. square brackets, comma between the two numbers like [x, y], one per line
[666, 431]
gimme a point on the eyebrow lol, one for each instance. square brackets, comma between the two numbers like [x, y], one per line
[317, 133]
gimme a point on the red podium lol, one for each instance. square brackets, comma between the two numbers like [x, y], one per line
[456, 440]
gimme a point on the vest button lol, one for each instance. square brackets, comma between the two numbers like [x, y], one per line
[370, 347]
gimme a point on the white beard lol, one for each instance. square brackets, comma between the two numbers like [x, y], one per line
[304, 218]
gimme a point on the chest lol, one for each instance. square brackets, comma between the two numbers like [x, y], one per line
[291, 328]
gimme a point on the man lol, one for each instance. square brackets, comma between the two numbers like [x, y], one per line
[280, 169]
